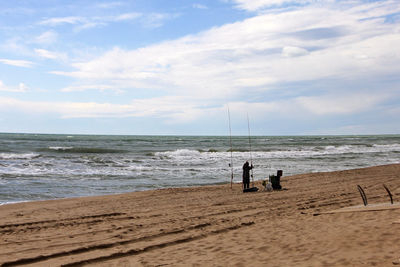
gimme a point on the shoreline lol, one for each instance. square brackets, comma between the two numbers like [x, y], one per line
[54, 167]
[258, 182]
[212, 225]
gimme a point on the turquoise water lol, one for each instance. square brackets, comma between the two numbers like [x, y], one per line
[38, 167]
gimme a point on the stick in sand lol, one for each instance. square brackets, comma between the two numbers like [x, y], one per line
[251, 158]
[363, 195]
[230, 142]
[389, 193]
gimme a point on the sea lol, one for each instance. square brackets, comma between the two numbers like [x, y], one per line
[52, 166]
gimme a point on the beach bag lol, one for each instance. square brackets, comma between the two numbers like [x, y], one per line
[268, 187]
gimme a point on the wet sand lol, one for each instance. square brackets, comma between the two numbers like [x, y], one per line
[214, 225]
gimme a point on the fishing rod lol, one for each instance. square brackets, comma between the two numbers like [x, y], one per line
[230, 143]
[251, 158]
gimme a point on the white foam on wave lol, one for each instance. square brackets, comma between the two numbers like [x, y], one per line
[346, 148]
[61, 148]
[141, 168]
[375, 148]
[8, 156]
[391, 147]
[179, 153]
[12, 202]
[195, 155]
[332, 150]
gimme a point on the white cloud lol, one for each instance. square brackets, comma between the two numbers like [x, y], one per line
[199, 6]
[99, 87]
[179, 109]
[292, 51]
[156, 20]
[253, 55]
[62, 20]
[80, 23]
[127, 16]
[234, 63]
[49, 54]
[17, 63]
[83, 23]
[254, 5]
[341, 104]
[13, 45]
[47, 37]
[171, 109]
[20, 89]
[64, 109]
[109, 5]
[89, 25]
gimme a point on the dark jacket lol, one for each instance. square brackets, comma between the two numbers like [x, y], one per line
[246, 171]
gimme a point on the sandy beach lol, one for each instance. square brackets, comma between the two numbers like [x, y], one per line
[214, 225]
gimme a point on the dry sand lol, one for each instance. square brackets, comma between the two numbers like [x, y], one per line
[213, 226]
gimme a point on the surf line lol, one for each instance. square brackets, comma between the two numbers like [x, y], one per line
[230, 143]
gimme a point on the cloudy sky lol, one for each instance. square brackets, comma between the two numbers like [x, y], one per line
[174, 67]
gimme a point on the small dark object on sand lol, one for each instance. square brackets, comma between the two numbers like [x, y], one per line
[363, 195]
[389, 193]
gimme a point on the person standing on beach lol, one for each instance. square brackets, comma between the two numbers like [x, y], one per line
[246, 175]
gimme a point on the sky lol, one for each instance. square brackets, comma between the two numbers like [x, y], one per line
[181, 67]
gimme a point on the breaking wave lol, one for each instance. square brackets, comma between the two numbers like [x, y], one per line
[83, 150]
[178, 153]
[8, 156]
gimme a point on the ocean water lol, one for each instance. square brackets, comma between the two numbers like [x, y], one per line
[39, 167]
